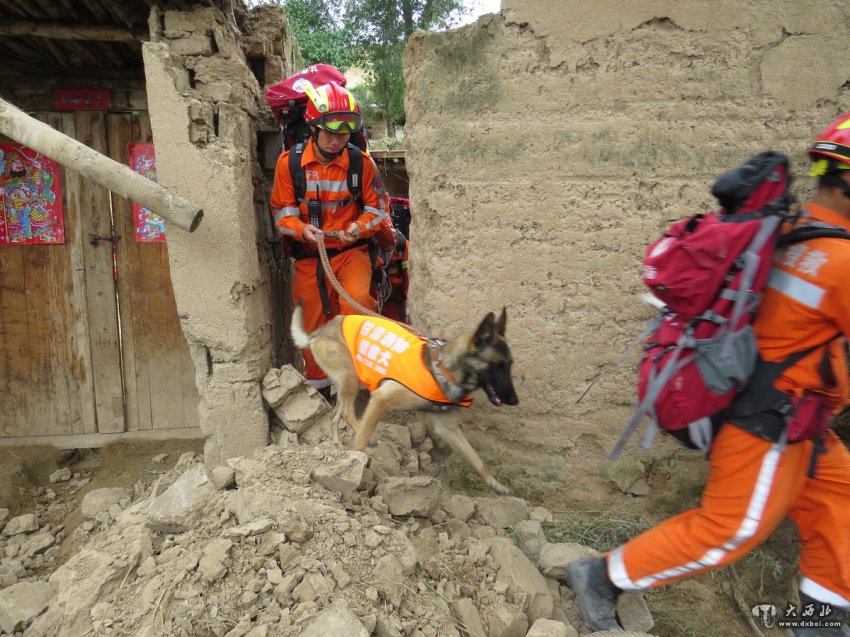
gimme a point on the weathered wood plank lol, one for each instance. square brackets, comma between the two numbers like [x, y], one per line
[35, 355]
[86, 74]
[67, 31]
[173, 395]
[83, 416]
[15, 374]
[100, 285]
[47, 337]
[136, 383]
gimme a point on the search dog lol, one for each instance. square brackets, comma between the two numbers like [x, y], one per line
[478, 360]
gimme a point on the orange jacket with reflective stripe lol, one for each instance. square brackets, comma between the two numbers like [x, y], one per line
[382, 349]
[807, 302]
[330, 184]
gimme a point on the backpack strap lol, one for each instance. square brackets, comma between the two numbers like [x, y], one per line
[296, 172]
[299, 186]
[811, 230]
[355, 174]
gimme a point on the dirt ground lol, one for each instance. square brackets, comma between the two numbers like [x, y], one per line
[573, 487]
[25, 485]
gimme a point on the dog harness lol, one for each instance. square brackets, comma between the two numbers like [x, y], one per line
[384, 350]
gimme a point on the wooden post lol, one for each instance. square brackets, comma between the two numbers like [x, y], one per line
[102, 170]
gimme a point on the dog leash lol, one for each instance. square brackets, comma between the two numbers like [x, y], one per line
[435, 346]
[326, 264]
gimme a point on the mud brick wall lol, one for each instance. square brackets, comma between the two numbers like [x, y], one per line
[548, 145]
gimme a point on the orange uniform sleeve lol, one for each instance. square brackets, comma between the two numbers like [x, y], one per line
[285, 208]
[376, 201]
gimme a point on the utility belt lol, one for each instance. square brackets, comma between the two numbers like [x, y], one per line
[769, 413]
[778, 417]
[300, 251]
[789, 418]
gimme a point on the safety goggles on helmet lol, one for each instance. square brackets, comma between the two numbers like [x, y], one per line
[831, 151]
[825, 165]
[339, 123]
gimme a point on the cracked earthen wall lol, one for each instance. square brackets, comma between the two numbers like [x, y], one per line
[548, 145]
[206, 109]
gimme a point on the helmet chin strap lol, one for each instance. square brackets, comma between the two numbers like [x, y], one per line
[322, 152]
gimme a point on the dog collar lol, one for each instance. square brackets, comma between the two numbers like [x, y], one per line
[453, 390]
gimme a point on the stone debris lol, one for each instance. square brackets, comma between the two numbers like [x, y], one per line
[60, 475]
[298, 539]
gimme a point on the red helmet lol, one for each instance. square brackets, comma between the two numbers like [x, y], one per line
[332, 108]
[832, 149]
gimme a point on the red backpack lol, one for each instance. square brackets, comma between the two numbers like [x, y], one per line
[709, 271]
[288, 102]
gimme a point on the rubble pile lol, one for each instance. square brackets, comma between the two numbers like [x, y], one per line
[308, 538]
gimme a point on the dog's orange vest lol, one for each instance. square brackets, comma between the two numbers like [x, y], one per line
[382, 349]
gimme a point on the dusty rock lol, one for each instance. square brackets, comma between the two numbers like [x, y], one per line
[7, 576]
[213, 565]
[26, 523]
[293, 400]
[458, 506]
[634, 614]
[550, 628]
[530, 537]
[23, 602]
[337, 620]
[501, 512]
[60, 475]
[181, 506]
[540, 514]
[254, 527]
[521, 579]
[554, 558]
[410, 496]
[506, 621]
[468, 617]
[344, 475]
[224, 477]
[98, 501]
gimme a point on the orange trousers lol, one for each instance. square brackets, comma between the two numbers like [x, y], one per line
[353, 270]
[752, 486]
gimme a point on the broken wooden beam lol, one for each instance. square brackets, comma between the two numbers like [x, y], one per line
[66, 31]
[102, 170]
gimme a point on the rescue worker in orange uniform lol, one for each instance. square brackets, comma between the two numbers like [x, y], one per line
[758, 473]
[395, 305]
[333, 115]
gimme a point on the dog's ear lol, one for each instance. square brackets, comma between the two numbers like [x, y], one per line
[500, 324]
[484, 333]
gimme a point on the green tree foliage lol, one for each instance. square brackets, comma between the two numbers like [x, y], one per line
[381, 29]
[369, 33]
[319, 29]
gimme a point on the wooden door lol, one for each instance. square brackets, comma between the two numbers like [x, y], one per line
[79, 352]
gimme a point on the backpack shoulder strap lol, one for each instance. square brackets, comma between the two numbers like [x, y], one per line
[812, 230]
[296, 172]
[355, 174]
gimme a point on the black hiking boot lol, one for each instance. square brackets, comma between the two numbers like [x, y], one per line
[595, 593]
[823, 614]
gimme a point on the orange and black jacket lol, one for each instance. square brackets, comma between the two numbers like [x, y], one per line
[807, 305]
[329, 184]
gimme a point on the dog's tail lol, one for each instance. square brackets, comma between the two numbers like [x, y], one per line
[299, 335]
